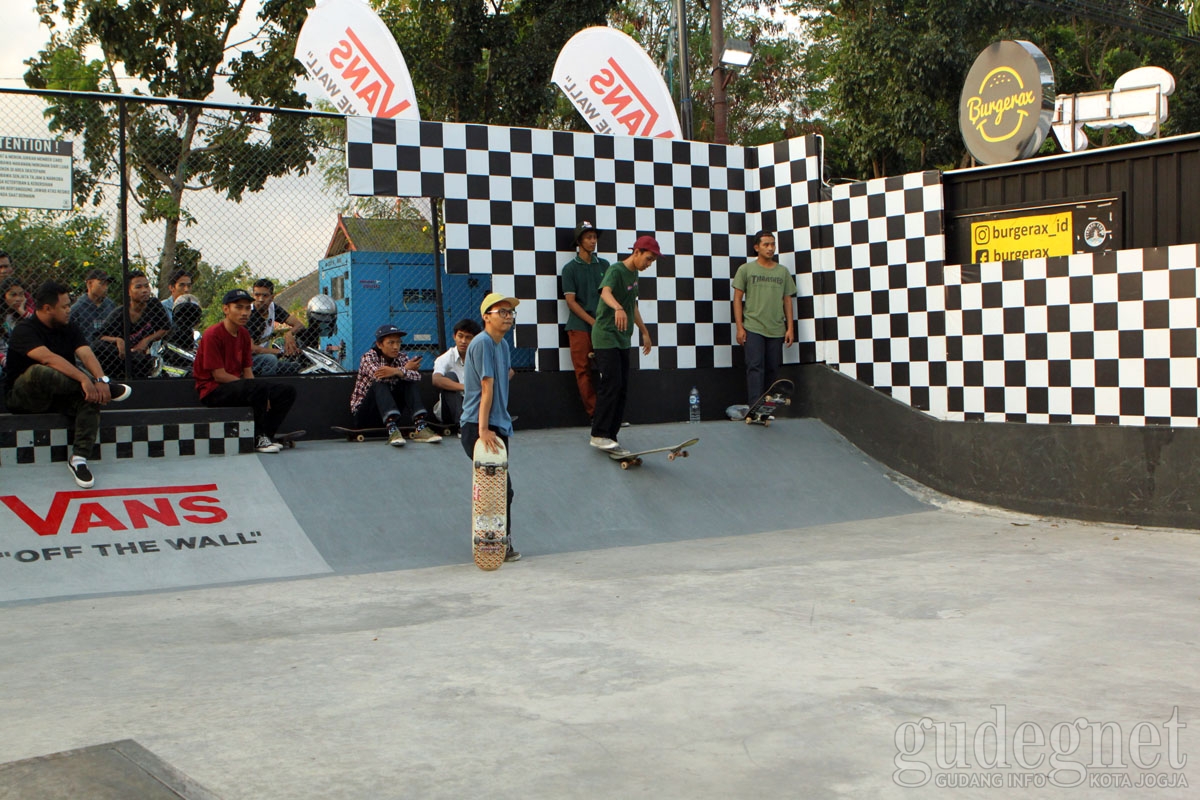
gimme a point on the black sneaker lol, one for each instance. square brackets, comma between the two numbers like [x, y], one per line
[81, 474]
[512, 555]
[119, 392]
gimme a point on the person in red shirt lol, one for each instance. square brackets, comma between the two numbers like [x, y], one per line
[224, 376]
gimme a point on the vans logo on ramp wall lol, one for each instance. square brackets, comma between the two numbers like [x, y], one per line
[122, 509]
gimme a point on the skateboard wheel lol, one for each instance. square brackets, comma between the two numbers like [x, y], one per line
[671, 457]
[625, 464]
[684, 454]
[360, 438]
[638, 462]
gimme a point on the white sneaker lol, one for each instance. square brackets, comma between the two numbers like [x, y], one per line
[265, 445]
[602, 443]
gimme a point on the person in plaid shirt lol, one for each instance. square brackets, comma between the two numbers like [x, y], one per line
[388, 386]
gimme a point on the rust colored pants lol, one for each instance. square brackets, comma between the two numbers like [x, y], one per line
[581, 346]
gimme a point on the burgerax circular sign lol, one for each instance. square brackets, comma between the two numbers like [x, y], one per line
[1007, 103]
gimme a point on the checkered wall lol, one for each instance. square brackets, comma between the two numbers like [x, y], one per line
[515, 195]
[1085, 339]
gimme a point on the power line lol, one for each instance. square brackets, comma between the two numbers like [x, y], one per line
[1126, 14]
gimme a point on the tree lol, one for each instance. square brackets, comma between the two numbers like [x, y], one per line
[178, 48]
[45, 245]
[487, 62]
[892, 72]
[768, 99]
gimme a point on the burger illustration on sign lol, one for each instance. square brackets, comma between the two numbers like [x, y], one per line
[1007, 102]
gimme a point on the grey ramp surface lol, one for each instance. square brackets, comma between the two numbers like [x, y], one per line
[775, 665]
[367, 506]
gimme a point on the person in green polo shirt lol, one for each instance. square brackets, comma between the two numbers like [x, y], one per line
[612, 336]
[581, 289]
[762, 310]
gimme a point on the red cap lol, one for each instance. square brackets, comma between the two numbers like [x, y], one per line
[647, 243]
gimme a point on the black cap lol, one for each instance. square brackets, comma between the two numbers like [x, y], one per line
[584, 227]
[98, 275]
[236, 296]
[387, 329]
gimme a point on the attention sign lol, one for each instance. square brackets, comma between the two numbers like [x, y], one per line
[35, 173]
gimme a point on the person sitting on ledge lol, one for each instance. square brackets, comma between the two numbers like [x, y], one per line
[148, 322]
[224, 377]
[42, 376]
[389, 386]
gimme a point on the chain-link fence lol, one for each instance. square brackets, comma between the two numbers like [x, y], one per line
[148, 211]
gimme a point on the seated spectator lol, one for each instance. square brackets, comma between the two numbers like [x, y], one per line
[94, 306]
[448, 372]
[14, 307]
[42, 376]
[225, 378]
[264, 318]
[148, 322]
[178, 284]
[388, 388]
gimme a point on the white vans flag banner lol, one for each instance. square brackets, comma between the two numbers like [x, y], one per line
[615, 86]
[345, 47]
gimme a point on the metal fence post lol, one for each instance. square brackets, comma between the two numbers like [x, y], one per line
[434, 218]
[123, 223]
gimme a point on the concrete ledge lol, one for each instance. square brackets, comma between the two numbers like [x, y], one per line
[129, 433]
[1112, 473]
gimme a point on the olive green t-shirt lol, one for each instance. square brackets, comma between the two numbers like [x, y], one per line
[765, 289]
[583, 280]
[623, 282]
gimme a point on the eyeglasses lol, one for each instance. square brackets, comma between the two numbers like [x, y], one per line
[506, 313]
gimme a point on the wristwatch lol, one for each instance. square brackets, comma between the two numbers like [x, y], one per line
[102, 379]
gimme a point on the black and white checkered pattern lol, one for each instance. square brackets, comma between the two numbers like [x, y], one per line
[51, 445]
[1081, 339]
[1086, 339]
[514, 197]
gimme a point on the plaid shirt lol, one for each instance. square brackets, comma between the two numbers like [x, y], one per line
[371, 361]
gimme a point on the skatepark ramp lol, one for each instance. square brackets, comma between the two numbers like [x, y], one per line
[342, 507]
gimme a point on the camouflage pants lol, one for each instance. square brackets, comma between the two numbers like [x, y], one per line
[41, 389]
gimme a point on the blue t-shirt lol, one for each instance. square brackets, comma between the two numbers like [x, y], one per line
[487, 359]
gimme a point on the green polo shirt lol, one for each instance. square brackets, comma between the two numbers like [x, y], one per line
[624, 284]
[583, 280]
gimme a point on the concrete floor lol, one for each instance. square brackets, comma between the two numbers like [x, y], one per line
[809, 662]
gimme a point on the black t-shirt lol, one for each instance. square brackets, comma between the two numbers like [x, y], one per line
[30, 334]
[154, 319]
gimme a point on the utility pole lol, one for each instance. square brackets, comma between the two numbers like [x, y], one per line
[685, 69]
[720, 101]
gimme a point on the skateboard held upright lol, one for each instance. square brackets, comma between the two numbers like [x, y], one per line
[778, 394]
[489, 507]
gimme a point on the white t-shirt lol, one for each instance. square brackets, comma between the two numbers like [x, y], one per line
[450, 365]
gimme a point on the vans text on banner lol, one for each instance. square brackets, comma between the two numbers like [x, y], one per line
[615, 86]
[347, 49]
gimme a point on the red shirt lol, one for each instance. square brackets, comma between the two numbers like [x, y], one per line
[219, 350]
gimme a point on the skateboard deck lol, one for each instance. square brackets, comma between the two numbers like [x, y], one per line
[778, 394]
[362, 434]
[288, 439]
[629, 459]
[489, 507]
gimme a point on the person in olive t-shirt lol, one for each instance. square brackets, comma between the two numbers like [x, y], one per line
[581, 289]
[764, 324]
[611, 338]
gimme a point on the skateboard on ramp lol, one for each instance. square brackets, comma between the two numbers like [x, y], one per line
[489, 506]
[288, 439]
[362, 434]
[628, 459]
[778, 394]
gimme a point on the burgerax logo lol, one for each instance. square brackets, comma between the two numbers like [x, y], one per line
[121, 509]
[1006, 103]
[1001, 106]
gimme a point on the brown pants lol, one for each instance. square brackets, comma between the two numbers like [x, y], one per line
[581, 347]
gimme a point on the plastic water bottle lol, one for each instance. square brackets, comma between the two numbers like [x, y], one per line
[694, 405]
